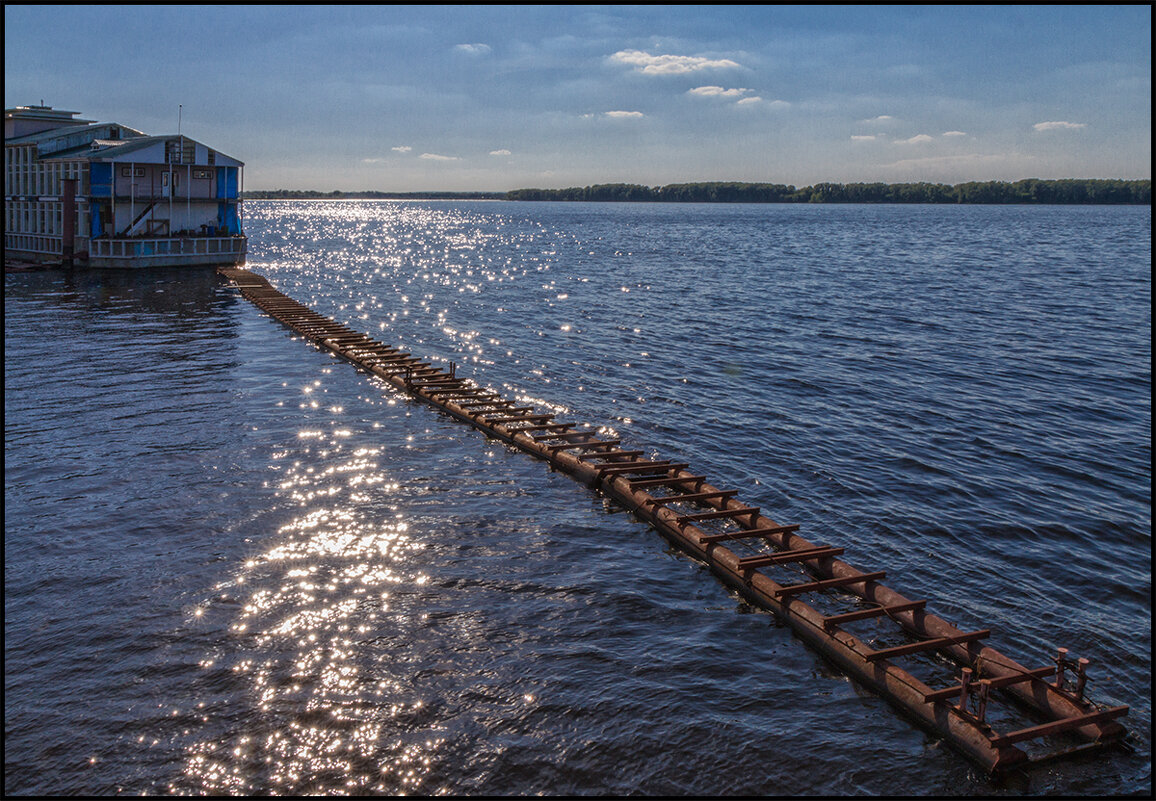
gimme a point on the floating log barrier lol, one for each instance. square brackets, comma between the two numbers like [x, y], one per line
[707, 522]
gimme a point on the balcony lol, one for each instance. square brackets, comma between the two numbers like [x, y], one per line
[167, 251]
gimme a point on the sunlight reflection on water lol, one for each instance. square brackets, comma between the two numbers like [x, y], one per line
[318, 601]
[423, 614]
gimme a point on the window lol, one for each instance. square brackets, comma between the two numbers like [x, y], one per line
[129, 172]
[180, 151]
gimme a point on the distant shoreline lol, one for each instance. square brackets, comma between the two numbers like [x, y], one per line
[310, 194]
[1066, 191]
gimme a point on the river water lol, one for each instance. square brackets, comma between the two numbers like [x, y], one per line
[236, 565]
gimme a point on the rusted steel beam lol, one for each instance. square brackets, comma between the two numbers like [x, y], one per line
[950, 693]
[549, 427]
[827, 584]
[619, 455]
[741, 511]
[447, 393]
[635, 467]
[522, 418]
[1056, 726]
[568, 435]
[833, 621]
[785, 557]
[494, 401]
[584, 444]
[764, 531]
[693, 497]
[628, 482]
[666, 482]
[389, 356]
[925, 645]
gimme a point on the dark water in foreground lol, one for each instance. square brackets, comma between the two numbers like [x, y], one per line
[233, 564]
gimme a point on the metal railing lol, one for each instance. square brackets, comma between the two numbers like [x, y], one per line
[167, 246]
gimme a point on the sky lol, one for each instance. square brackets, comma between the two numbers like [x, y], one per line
[494, 98]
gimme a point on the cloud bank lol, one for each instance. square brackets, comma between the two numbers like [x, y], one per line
[667, 64]
[718, 91]
[1058, 126]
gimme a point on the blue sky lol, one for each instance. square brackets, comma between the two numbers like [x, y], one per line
[417, 98]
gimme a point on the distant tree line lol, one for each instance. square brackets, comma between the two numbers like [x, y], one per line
[1031, 190]
[310, 194]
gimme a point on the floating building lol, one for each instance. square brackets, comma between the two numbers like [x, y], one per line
[105, 195]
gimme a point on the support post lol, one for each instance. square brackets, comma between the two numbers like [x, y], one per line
[68, 221]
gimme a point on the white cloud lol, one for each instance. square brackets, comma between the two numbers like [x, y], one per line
[954, 133]
[880, 118]
[739, 95]
[624, 115]
[717, 91]
[437, 157]
[1058, 126]
[667, 64]
[477, 49]
[502, 152]
[401, 149]
[918, 139]
[863, 138]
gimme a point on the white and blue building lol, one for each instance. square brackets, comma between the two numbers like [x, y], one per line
[106, 195]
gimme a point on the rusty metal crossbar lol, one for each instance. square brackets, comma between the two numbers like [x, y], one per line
[493, 401]
[925, 645]
[665, 481]
[741, 511]
[549, 427]
[614, 468]
[693, 497]
[619, 475]
[833, 621]
[827, 584]
[568, 435]
[750, 533]
[584, 444]
[1056, 726]
[950, 693]
[784, 557]
[620, 455]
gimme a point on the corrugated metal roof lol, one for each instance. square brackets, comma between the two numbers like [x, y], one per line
[71, 130]
[117, 150]
[102, 147]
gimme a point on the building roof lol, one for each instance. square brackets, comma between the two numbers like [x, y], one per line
[112, 150]
[121, 149]
[42, 113]
[95, 141]
[57, 133]
[37, 118]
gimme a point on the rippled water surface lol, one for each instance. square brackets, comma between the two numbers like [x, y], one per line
[236, 565]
